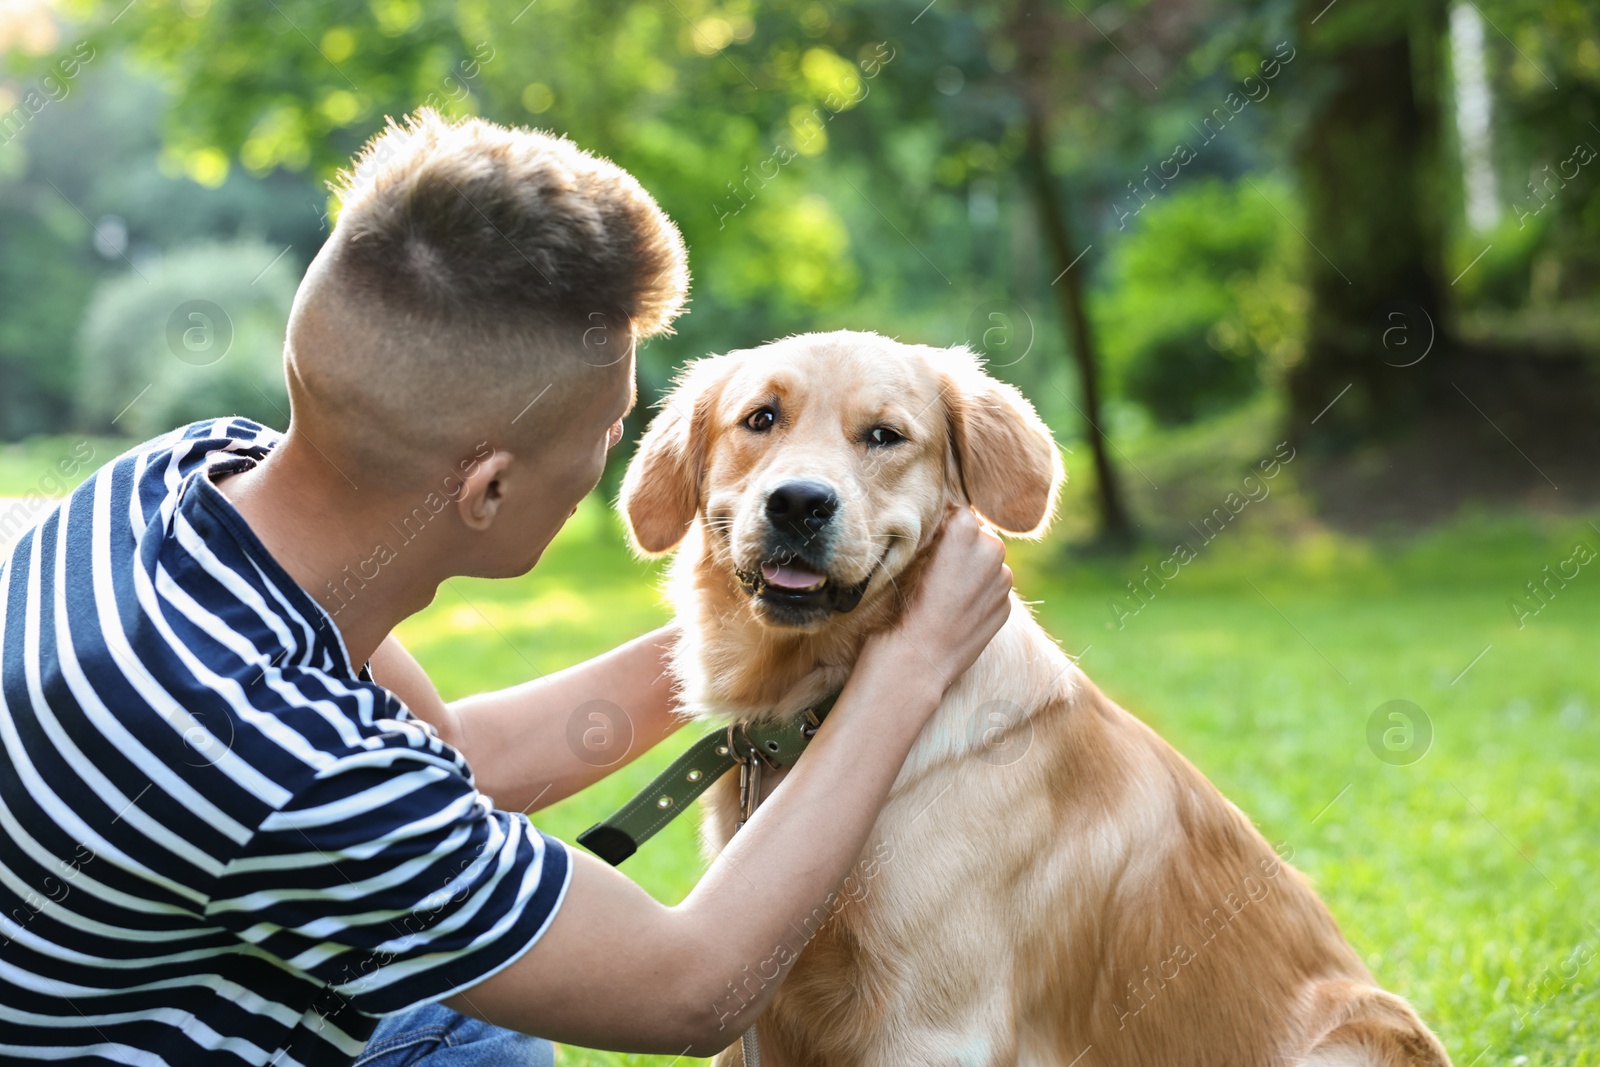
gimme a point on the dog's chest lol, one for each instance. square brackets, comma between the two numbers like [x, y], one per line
[912, 962]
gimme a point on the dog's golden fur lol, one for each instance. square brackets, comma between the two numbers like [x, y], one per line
[1049, 883]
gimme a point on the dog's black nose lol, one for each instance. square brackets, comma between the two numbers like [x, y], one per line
[801, 508]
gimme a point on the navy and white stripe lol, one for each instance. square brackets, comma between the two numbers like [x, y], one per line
[219, 843]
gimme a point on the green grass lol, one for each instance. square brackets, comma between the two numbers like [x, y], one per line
[1463, 878]
[34, 467]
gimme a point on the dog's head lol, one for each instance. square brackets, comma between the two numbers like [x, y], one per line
[817, 467]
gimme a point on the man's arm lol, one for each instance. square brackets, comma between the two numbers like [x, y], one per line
[619, 970]
[517, 740]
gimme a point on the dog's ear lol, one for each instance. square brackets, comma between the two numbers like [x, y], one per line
[1007, 462]
[661, 491]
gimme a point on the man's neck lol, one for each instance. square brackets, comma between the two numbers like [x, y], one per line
[326, 534]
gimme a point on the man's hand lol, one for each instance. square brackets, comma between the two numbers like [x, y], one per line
[961, 601]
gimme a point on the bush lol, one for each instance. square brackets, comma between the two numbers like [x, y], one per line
[1202, 306]
[1183, 376]
[196, 335]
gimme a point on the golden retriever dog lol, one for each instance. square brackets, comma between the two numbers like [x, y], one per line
[1050, 884]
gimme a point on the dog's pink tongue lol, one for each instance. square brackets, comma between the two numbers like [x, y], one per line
[789, 577]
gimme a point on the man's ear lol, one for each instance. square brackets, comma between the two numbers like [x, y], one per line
[1007, 461]
[478, 500]
[661, 491]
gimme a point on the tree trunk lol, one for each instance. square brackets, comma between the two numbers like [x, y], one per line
[1370, 173]
[1114, 524]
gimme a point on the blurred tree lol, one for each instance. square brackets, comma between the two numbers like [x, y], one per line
[1052, 67]
[1035, 35]
[1380, 162]
[1543, 125]
[1371, 171]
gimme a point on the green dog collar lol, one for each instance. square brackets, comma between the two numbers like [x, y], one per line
[775, 744]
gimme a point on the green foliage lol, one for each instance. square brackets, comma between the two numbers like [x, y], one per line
[1180, 374]
[195, 335]
[761, 244]
[849, 163]
[820, 176]
[1201, 306]
[1503, 278]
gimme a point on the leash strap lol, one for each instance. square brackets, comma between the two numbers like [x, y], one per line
[708, 759]
[749, 799]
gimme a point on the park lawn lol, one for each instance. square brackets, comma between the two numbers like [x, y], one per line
[1461, 877]
[35, 467]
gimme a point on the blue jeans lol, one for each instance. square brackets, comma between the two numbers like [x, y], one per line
[435, 1036]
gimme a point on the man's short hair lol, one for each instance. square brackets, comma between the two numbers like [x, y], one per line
[473, 262]
[474, 221]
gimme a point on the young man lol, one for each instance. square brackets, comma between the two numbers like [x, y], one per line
[237, 822]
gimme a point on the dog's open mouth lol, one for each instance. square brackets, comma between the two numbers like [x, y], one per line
[794, 582]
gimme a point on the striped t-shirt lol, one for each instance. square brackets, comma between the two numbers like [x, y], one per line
[219, 842]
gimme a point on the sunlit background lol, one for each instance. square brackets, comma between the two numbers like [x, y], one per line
[1354, 244]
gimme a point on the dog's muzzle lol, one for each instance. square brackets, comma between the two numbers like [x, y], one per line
[836, 598]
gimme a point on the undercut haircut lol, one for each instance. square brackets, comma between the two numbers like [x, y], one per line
[471, 265]
[472, 221]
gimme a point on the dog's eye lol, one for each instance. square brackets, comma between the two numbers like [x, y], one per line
[882, 435]
[761, 420]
